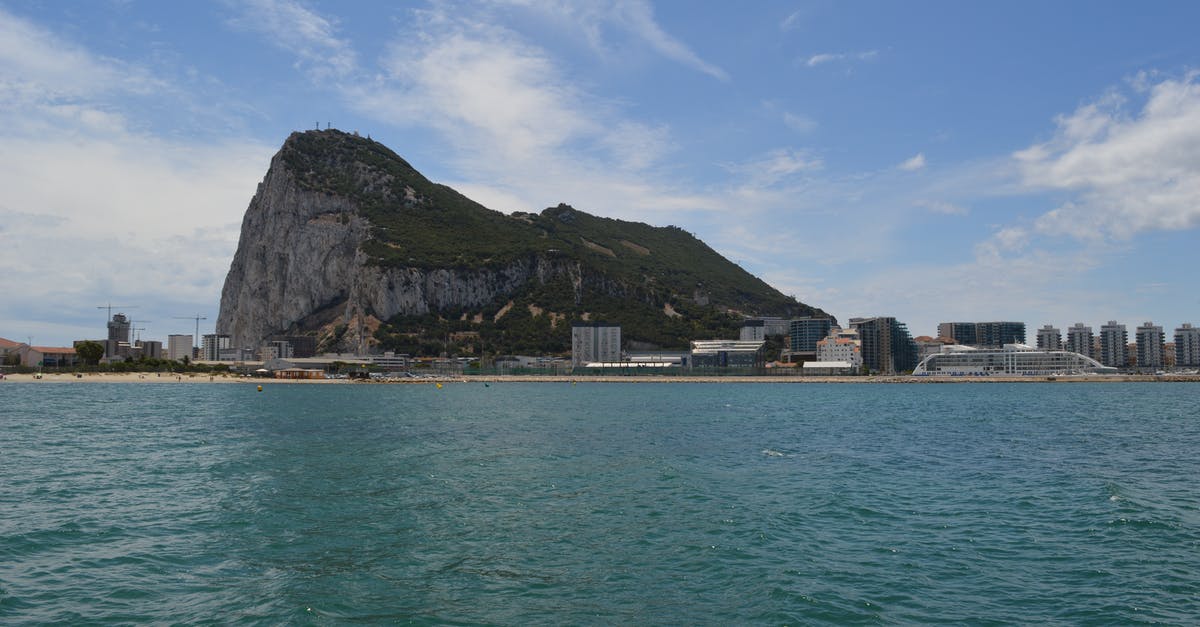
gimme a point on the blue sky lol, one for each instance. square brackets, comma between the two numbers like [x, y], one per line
[932, 161]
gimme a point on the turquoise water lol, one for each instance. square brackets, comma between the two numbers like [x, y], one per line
[600, 504]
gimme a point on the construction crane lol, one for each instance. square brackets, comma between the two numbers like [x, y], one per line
[197, 318]
[137, 330]
[111, 306]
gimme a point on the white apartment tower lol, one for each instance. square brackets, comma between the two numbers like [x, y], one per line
[1151, 346]
[1080, 339]
[1187, 346]
[595, 342]
[1114, 345]
[1049, 338]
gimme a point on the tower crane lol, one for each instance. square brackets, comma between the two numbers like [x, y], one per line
[111, 306]
[197, 318]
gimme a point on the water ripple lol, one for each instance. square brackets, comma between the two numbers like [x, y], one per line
[599, 504]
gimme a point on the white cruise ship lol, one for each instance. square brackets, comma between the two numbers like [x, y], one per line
[1012, 360]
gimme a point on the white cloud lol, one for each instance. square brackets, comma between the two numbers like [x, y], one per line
[799, 123]
[943, 207]
[1127, 171]
[101, 209]
[830, 57]
[913, 163]
[775, 167]
[600, 21]
[291, 26]
[793, 20]
[511, 117]
[639, 16]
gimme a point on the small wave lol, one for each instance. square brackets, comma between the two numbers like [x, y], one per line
[770, 452]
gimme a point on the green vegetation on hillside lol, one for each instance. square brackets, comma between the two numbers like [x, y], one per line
[662, 284]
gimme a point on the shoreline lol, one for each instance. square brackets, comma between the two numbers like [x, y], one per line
[192, 378]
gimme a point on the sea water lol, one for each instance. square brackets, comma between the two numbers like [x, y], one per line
[554, 503]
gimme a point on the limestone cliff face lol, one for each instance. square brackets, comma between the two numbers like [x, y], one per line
[296, 251]
[299, 264]
[343, 234]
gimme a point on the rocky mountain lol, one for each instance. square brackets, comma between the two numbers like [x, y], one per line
[346, 241]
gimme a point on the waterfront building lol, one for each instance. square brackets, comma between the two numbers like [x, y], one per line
[595, 341]
[1187, 346]
[9, 352]
[1049, 338]
[961, 332]
[1151, 351]
[760, 328]
[827, 368]
[1081, 339]
[727, 354]
[1114, 345]
[804, 333]
[983, 334]
[887, 347]
[48, 356]
[212, 344]
[927, 346]
[1012, 360]
[842, 345]
[179, 346]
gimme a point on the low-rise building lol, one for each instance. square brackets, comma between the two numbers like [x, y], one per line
[48, 356]
[842, 345]
[150, 349]
[927, 346]
[727, 354]
[1011, 360]
[827, 368]
[9, 355]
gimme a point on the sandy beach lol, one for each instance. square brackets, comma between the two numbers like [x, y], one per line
[193, 378]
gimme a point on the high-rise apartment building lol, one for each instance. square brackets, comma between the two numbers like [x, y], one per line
[887, 347]
[983, 334]
[1114, 345]
[1187, 346]
[961, 332]
[804, 333]
[1049, 338]
[595, 342]
[1151, 348]
[1081, 339]
[211, 346]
